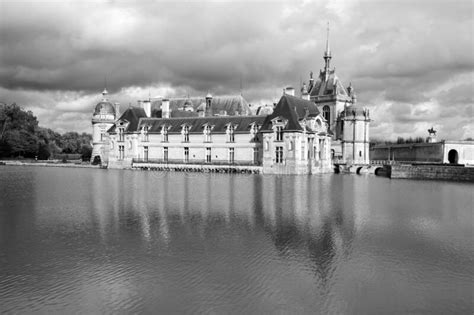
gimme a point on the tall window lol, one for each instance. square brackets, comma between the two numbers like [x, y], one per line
[208, 155]
[327, 113]
[165, 154]
[230, 133]
[255, 155]
[185, 133]
[164, 133]
[145, 134]
[145, 153]
[102, 137]
[207, 133]
[186, 155]
[231, 155]
[120, 135]
[279, 155]
[121, 149]
[279, 133]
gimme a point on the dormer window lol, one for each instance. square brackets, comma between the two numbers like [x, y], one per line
[120, 134]
[164, 133]
[253, 132]
[145, 133]
[207, 133]
[279, 124]
[185, 133]
[230, 133]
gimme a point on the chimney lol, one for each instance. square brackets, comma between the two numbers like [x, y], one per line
[289, 91]
[208, 111]
[165, 108]
[147, 107]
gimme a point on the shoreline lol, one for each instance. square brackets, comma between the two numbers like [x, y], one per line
[71, 165]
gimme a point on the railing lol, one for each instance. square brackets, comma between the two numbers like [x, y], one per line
[196, 162]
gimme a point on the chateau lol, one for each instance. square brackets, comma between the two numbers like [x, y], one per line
[301, 135]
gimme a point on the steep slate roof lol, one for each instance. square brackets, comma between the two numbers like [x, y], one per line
[293, 109]
[132, 115]
[322, 87]
[196, 124]
[233, 105]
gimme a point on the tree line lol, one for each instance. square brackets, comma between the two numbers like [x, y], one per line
[21, 136]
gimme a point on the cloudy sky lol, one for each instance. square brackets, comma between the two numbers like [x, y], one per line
[410, 61]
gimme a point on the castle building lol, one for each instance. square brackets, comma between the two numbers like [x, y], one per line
[299, 135]
[103, 118]
[292, 140]
[333, 100]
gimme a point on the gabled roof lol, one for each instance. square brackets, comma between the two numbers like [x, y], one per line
[132, 115]
[219, 123]
[232, 105]
[293, 109]
[331, 86]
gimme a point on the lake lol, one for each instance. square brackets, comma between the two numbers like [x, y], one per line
[107, 241]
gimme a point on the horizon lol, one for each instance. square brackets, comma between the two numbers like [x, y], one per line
[56, 65]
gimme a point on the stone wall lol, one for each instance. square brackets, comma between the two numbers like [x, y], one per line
[416, 152]
[440, 172]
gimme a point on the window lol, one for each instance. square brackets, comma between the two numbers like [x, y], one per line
[165, 154]
[145, 153]
[164, 134]
[360, 153]
[185, 133]
[208, 155]
[230, 133]
[327, 113]
[255, 155]
[102, 137]
[279, 155]
[186, 155]
[290, 146]
[302, 150]
[120, 135]
[207, 133]
[121, 152]
[267, 146]
[145, 134]
[231, 155]
[279, 133]
[253, 132]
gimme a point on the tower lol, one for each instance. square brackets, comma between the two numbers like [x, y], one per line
[354, 128]
[104, 116]
[330, 96]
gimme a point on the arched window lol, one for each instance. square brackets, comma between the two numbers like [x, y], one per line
[327, 113]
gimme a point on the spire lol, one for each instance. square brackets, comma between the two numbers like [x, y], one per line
[327, 54]
[104, 92]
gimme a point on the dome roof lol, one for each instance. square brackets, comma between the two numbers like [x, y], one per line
[354, 110]
[104, 107]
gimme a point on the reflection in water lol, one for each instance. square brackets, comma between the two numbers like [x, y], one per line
[111, 241]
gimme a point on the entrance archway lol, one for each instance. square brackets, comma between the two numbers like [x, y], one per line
[453, 156]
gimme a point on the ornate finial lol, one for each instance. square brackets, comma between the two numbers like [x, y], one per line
[311, 75]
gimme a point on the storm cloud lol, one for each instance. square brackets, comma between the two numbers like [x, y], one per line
[410, 61]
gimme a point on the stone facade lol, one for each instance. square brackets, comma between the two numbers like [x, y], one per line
[292, 140]
[452, 152]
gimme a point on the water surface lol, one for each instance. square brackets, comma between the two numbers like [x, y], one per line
[95, 241]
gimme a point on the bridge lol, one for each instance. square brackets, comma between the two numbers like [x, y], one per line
[376, 167]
